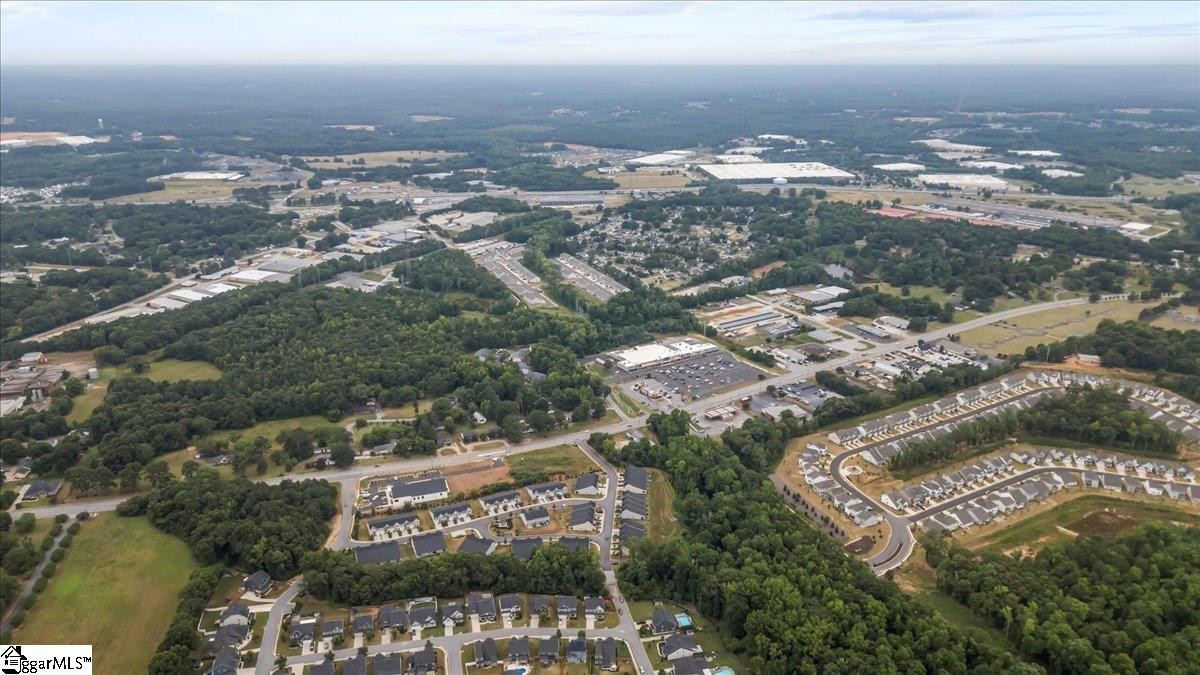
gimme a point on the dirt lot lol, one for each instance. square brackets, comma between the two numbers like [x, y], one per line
[378, 158]
[474, 476]
[643, 180]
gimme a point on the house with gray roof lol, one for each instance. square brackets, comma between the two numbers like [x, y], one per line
[422, 662]
[633, 507]
[226, 662]
[425, 616]
[451, 514]
[546, 492]
[663, 621]
[518, 650]
[473, 543]
[406, 492]
[481, 605]
[630, 532]
[500, 502]
[382, 552]
[361, 624]
[355, 666]
[606, 654]
[547, 652]
[453, 611]
[259, 583]
[388, 664]
[588, 484]
[392, 617]
[486, 655]
[583, 517]
[637, 479]
[691, 665]
[541, 604]
[523, 547]
[510, 605]
[577, 651]
[400, 525]
[535, 517]
[566, 606]
[593, 607]
[680, 646]
[237, 613]
[233, 635]
[430, 543]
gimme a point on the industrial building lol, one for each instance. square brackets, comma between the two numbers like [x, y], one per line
[658, 354]
[770, 170]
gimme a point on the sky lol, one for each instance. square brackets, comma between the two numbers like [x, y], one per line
[613, 32]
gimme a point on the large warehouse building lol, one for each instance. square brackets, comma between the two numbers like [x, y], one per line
[771, 170]
[658, 354]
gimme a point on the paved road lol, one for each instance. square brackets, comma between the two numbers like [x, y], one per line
[282, 607]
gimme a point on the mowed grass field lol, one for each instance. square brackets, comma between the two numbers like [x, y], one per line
[1086, 515]
[185, 190]
[1159, 187]
[662, 523]
[116, 590]
[174, 370]
[372, 159]
[561, 459]
[1014, 335]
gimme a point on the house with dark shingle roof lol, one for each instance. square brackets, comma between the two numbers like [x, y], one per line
[633, 507]
[577, 651]
[663, 621]
[583, 517]
[547, 652]
[424, 661]
[325, 667]
[226, 662]
[473, 543]
[430, 543]
[237, 613]
[544, 492]
[691, 665]
[574, 543]
[393, 617]
[566, 606]
[500, 502]
[391, 526]
[423, 617]
[510, 605]
[523, 547]
[594, 607]
[630, 532]
[454, 611]
[518, 650]
[606, 654]
[537, 516]
[541, 604]
[233, 635]
[332, 628]
[588, 484]
[355, 666]
[679, 646]
[362, 624]
[375, 554]
[388, 664]
[301, 632]
[41, 487]
[486, 655]
[452, 514]
[481, 605]
[636, 479]
[259, 583]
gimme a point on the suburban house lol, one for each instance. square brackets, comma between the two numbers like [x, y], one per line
[423, 617]
[547, 652]
[332, 628]
[486, 655]
[302, 632]
[236, 614]
[633, 507]
[40, 487]
[606, 654]
[392, 617]
[593, 607]
[234, 635]
[546, 492]
[679, 646]
[583, 518]
[400, 525]
[518, 650]
[473, 543]
[574, 543]
[393, 664]
[577, 651]
[355, 666]
[382, 552]
[259, 583]
[362, 624]
[226, 662]
[523, 547]
[636, 479]
[691, 665]
[481, 605]
[500, 502]
[588, 484]
[510, 605]
[422, 662]
[541, 605]
[453, 612]
[566, 606]
[663, 621]
[451, 514]
[630, 532]
[535, 517]
[430, 543]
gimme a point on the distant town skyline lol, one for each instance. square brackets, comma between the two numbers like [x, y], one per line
[578, 33]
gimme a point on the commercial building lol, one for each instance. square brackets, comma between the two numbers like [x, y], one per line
[658, 354]
[770, 170]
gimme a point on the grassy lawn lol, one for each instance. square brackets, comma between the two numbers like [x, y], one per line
[174, 370]
[662, 523]
[1159, 187]
[86, 402]
[1014, 335]
[561, 459]
[961, 616]
[1087, 514]
[272, 428]
[116, 590]
[936, 294]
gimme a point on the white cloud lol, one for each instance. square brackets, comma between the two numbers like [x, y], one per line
[26, 11]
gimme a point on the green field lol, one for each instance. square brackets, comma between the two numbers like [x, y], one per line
[662, 523]
[174, 370]
[1159, 187]
[116, 590]
[561, 459]
[936, 294]
[1079, 513]
[1014, 335]
[86, 402]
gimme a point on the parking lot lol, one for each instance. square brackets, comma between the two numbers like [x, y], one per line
[695, 378]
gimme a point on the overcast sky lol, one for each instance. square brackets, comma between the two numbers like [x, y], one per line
[780, 33]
